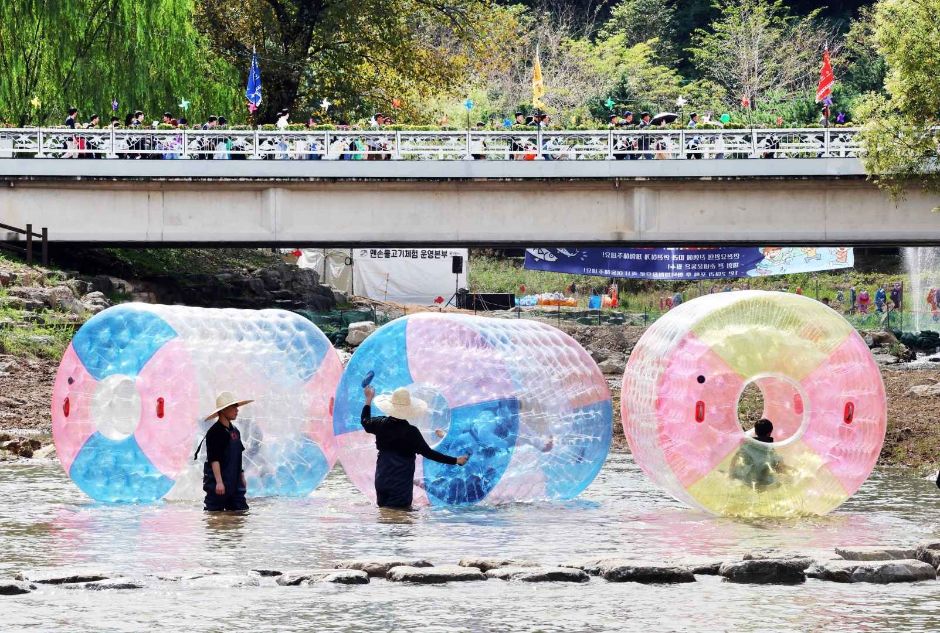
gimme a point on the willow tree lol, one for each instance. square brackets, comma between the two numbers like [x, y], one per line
[900, 131]
[359, 54]
[87, 53]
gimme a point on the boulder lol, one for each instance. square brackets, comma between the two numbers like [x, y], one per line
[21, 303]
[880, 572]
[359, 331]
[379, 567]
[706, 568]
[599, 355]
[764, 571]
[647, 573]
[337, 576]
[434, 575]
[883, 339]
[7, 278]
[486, 564]
[612, 366]
[924, 391]
[95, 302]
[15, 587]
[538, 574]
[267, 573]
[928, 553]
[876, 552]
[77, 286]
[62, 576]
[55, 298]
[801, 560]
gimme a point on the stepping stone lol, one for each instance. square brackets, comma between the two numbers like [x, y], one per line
[486, 564]
[15, 587]
[876, 552]
[646, 573]
[705, 568]
[764, 572]
[114, 583]
[929, 553]
[880, 572]
[61, 577]
[434, 575]
[379, 567]
[312, 576]
[538, 574]
[267, 573]
[775, 554]
[227, 581]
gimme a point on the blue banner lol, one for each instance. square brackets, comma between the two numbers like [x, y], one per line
[253, 91]
[680, 264]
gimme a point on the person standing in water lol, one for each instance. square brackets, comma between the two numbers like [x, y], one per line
[398, 442]
[223, 478]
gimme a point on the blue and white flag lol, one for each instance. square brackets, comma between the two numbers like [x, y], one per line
[253, 92]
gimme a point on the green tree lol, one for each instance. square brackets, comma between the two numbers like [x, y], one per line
[641, 21]
[756, 46]
[360, 54]
[900, 143]
[147, 55]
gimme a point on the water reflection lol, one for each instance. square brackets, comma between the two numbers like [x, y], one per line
[46, 522]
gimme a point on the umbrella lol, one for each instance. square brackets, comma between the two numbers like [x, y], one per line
[667, 117]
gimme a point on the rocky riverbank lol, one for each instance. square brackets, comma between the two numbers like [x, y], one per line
[877, 565]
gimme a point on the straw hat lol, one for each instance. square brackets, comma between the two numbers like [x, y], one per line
[401, 405]
[225, 400]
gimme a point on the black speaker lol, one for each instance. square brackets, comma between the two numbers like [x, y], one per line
[456, 264]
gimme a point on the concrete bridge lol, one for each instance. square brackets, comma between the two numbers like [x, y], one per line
[797, 194]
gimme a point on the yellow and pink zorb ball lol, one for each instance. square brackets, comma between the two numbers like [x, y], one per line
[822, 391]
[137, 380]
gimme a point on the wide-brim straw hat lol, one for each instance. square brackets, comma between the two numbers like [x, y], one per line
[400, 404]
[225, 400]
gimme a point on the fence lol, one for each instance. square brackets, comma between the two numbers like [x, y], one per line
[635, 144]
[27, 250]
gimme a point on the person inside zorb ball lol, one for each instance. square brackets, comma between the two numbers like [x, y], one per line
[134, 385]
[522, 400]
[824, 415]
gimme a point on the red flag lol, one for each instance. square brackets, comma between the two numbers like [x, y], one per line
[826, 79]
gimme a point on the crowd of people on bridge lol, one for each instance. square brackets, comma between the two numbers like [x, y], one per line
[523, 144]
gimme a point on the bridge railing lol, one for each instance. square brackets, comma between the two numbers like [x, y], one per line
[633, 144]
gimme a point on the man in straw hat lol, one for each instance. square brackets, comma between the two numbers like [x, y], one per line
[223, 478]
[398, 443]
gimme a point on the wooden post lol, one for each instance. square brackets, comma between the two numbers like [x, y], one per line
[29, 244]
[45, 246]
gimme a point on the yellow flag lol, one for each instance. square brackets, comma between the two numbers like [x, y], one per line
[538, 85]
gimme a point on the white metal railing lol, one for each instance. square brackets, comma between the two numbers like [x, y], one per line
[631, 144]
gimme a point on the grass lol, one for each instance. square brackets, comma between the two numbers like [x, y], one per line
[44, 338]
[162, 261]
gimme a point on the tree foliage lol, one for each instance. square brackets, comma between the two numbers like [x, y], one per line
[359, 54]
[639, 21]
[147, 55]
[757, 47]
[900, 144]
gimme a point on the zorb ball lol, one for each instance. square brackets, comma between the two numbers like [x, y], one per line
[137, 380]
[821, 389]
[522, 398]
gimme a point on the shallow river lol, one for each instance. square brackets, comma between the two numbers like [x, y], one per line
[45, 522]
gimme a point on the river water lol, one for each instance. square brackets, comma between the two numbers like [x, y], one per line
[46, 523]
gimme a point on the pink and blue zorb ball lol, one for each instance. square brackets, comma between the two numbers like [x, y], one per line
[523, 399]
[137, 380]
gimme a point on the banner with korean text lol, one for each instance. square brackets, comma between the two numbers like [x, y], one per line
[678, 264]
[407, 275]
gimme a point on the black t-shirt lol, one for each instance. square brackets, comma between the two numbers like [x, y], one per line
[398, 436]
[70, 122]
[218, 439]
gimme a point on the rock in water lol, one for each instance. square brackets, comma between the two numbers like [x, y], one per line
[337, 576]
[875, 552]
[538, 574]
[652, 574]
[378, 567]
[486, 564]
[62, 577]
[929, 553]
[15, 587]
[765, 571]
[880, 572]
[115, 583]
[434, 575]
